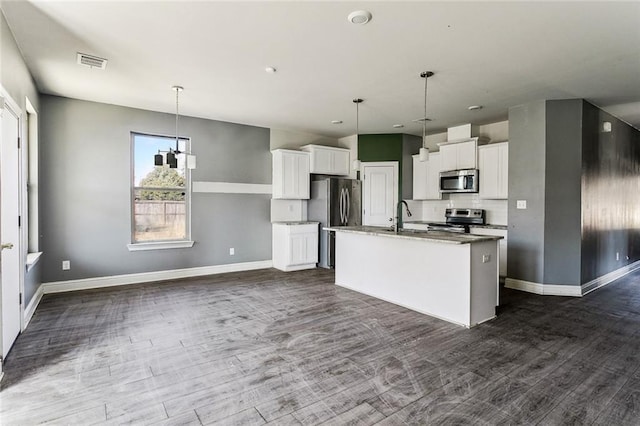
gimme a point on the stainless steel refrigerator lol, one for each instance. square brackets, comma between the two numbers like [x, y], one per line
[334, 202]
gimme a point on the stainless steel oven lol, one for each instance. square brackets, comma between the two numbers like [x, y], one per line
[459, 181]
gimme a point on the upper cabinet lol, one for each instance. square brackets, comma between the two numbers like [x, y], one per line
[493, 162]
[290, 174]
[459, 155]
[426, 177]
[328, 160]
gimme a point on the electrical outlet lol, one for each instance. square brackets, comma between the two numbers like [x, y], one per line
[66, 265]
[521, 204]
[486, 258]
[232, 251]
[617, 256]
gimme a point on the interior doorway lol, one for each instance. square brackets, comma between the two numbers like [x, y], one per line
[10, 261]
[379, 193]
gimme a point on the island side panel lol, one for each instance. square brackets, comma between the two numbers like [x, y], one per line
[484, 281]
[428, 277]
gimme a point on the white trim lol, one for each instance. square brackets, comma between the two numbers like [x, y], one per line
[544, 289]
[610, 277]
[116, 280]
[33, 304]
[32, 259]
[231, 188]
[159, 245]
[571, 290]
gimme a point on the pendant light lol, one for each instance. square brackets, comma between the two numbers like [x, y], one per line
[356, 163]
[424, 151]
[172, 154]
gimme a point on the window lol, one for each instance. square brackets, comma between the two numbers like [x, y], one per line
[160, 195]
[30, 176]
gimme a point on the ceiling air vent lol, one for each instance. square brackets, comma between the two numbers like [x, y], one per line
[91, 61]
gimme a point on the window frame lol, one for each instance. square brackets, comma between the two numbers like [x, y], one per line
[185, 242]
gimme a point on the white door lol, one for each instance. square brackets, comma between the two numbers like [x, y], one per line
[379, 193]
[9, 229]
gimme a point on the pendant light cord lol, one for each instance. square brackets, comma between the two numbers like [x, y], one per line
[424, 121]
[177, 105]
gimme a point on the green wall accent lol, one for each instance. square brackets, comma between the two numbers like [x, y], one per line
[380, 148]
[385, 147]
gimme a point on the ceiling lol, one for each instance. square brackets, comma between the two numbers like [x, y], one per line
[494, 54]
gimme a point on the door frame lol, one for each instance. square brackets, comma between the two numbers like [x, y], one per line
[6, 101]
[396, 181]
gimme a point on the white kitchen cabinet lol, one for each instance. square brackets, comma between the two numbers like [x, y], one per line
[295, 245]
[493, 163]
[459, 155]
[291, 179]
[502, 244]
[328, 160]
[426, 177]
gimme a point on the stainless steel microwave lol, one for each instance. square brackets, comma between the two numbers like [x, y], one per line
[459, 181]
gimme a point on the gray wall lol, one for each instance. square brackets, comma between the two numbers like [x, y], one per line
[17, 81]
[562, 202]
[86, 180]
[525, 260]
[610, 193]
[582, 188]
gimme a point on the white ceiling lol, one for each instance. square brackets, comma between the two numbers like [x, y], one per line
[495, 54]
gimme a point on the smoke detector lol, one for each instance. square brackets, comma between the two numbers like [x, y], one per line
[91, 61]
[359, 17]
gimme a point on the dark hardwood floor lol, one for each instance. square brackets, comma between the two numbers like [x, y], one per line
[291, 348]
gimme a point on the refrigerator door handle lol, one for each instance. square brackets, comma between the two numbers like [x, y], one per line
[348, 205]
[344, 206]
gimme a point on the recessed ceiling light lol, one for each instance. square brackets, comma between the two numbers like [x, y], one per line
[336, 121]
[270, 70]
[474, 107]
[398, 126]
[359, 17]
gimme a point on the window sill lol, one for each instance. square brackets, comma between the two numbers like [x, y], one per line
[32, 259]
[161, 245]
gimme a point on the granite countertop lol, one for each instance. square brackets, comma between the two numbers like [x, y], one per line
[486, 225]
[435, 236]
[295, 222]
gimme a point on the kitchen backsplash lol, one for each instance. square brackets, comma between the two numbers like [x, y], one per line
[496, 210]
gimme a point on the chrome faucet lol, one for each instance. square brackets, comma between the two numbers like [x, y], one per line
[399, 211]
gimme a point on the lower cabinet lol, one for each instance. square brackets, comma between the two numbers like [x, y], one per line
[502, 244]
[295, 245]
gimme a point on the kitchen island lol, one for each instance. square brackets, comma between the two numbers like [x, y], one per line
[447, 275]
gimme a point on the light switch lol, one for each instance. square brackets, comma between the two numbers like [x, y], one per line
[521, 204]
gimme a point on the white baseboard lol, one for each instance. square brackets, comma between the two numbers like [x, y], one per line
[116, 280]
[571, 290]
[610, 277]
[544, 289]
[33, 304]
